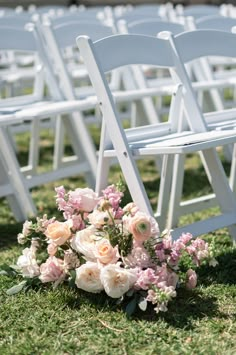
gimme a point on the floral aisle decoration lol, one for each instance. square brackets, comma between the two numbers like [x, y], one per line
[100, 246]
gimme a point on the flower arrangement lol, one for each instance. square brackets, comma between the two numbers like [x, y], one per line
[100, 246]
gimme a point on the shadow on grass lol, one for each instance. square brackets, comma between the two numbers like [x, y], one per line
[223, 273]
[182, 311]
[9, 235]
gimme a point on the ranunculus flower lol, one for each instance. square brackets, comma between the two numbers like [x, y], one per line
[86, 198]
[88, 277]
[116, 280]
[191, 279]
[142, 227]
[85, 241]
[27, 263]
[59, 232]
[52, 270]
[105, 253]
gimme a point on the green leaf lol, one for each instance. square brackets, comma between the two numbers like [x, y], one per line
[16, 289]
[7, 270]
[131, 306]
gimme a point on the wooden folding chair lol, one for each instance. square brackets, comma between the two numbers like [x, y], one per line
[167, 139]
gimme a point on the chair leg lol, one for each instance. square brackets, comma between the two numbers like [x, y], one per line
[176, 191]
[20, 201]
[220, 184]
[34, 145]
[164, 191]
[82, 144]
[232, 178]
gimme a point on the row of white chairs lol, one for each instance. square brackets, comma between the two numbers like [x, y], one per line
[67, 101]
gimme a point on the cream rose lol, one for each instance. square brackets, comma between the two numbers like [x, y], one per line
[105, 253]
[85, 241]
[86, 197]
[59, 232]
[142, 227]
[116, 280]
[88, 277]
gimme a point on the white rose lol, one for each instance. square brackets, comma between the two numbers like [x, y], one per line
[84, 242]
[116, 280]
[88, 277]
[27, 263]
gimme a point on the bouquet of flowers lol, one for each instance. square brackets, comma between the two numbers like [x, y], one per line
[100, 246]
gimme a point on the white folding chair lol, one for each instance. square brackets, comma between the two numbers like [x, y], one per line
[222, 119]
[162, 138]
[32, 109]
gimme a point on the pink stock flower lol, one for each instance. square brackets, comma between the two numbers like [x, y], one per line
[52, 248]
[52, 270]
[113, 196]
[139, 257]
[198, 250]
[71, 260]
[191, 279]
[164, 274]
[146, 278]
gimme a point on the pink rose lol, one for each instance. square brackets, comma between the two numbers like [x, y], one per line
[59, 232]
[142, 227]
[87, 198]
[52, 270]
[191, 279]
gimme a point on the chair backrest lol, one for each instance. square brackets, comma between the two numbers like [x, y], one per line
[151, 27]
[17, 39]
[207, 44]
[169, 51]
[197, 11]
[124, 50]
[215, 22]
[58, 38]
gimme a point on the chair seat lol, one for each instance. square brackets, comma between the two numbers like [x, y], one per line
[180, 143]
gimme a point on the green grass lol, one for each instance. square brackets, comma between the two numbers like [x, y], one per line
[69, 321]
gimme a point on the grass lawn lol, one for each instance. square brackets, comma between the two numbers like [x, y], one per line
[69, 321]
